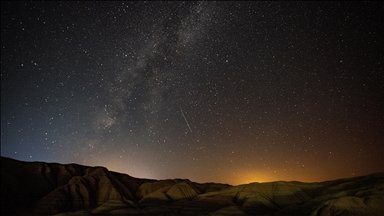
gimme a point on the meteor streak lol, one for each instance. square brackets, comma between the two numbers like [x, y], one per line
[186, 120]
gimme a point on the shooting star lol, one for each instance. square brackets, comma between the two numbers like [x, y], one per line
[186, 120]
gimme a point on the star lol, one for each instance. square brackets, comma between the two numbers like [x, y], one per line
[226, 92]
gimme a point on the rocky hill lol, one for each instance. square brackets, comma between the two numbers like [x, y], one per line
[36, 188]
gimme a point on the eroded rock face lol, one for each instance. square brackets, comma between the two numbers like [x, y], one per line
[166, 191]
[50, 188]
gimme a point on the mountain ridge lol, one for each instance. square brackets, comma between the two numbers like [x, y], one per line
[41, 188]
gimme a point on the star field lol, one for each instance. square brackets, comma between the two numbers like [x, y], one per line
[230, 92]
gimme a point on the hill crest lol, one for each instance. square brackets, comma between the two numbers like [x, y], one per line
[52, 188]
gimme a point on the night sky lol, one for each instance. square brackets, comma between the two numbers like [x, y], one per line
[230, 92]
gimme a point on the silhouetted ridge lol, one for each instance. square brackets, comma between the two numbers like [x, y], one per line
[52, 188]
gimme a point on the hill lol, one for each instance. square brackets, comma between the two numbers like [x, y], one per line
[39, 188]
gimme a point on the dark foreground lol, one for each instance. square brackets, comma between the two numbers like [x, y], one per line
[36, 188]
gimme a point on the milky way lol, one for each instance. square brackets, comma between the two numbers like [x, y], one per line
[210, 91]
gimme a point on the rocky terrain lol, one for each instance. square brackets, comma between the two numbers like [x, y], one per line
[37, 188]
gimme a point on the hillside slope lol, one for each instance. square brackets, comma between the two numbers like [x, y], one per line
[50, 188]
